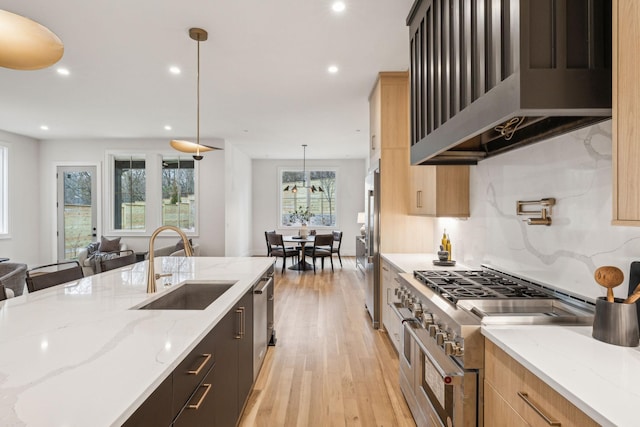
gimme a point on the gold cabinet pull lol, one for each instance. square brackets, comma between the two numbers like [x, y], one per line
[239, 323]
[524, 396]
[242, 323]
[207, 357]
[197, 405]
[419, 199]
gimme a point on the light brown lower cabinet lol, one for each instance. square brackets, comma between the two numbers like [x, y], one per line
[514, 393]
[390, 321]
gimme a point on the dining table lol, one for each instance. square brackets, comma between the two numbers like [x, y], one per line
[302, 241]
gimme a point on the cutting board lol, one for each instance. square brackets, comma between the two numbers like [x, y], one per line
[634, 279]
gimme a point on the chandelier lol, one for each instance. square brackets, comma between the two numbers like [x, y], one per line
[313, 188]
[195, 148]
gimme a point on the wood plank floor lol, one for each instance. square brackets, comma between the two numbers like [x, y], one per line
[329, 367]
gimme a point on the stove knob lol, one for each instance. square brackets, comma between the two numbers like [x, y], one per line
[441, 337]
[399, 291]
[452, 348]
[417, 310]
[427, 319]
[433, 329]
[409, 301]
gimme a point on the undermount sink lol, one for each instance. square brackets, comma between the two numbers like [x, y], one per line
[190, 296]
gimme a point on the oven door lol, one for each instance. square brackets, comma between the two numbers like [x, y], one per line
[446, 393]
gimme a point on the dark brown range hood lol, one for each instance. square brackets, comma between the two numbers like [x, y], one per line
[491, 76]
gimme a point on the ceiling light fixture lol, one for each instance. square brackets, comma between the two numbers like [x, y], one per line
[167, 127]
[27, 45]
[313, 188]
[174, 70]
[195, 148]
[63, 71]
[333, 69]
[338, 6]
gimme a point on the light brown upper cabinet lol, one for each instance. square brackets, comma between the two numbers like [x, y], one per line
[626, 112]
[439, 191]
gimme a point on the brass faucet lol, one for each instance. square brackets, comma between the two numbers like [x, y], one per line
[151, 275]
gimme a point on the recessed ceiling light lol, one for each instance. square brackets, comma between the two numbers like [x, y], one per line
[174, 70]
[44, 127]
[333, 69]
[63, 71]
[338, 6]
[167, 127]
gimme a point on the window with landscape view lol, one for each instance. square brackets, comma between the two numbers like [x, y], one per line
[308, 197]
[178, 192]
[129, 191]
[4, 190]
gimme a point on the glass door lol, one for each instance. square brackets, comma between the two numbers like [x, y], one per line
[76, 209]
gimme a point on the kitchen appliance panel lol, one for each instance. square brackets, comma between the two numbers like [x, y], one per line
[372, 265]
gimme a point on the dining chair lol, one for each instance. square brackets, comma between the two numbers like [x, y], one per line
[337, 238]
[45, 276]
[121, 258]
[3, 293]
[266, 238]
[278, 249]
[322, 248]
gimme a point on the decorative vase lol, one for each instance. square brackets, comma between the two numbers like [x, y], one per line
[303, 230]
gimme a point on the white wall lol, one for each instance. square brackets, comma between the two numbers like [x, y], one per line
[23, 244]
[238, 202]
[350, 199]
[55, 153]
[575, 169]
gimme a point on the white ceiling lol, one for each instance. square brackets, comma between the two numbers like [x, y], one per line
[264, 80]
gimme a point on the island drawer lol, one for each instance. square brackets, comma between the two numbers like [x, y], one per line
[191, 371]
[533, 399]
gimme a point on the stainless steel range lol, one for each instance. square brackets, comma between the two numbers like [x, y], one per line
[442, 349]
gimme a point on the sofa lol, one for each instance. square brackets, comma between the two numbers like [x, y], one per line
[89, 257]
[174, 250]
[12, 277]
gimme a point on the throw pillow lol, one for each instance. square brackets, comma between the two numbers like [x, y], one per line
[180, 245]
[107, 245]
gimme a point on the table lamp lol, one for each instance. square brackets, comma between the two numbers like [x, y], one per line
[361, 220]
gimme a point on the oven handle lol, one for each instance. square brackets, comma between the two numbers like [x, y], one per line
[453, 377]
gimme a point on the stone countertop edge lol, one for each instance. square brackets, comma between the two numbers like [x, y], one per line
[417, 261]
[81, 354]
[601, 379]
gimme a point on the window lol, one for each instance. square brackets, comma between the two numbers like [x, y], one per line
[313, 191]
[179, 206]
[4, 190]
[129, 191]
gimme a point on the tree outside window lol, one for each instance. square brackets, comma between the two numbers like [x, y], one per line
[129, 189]
[300, 196]
[178, 193]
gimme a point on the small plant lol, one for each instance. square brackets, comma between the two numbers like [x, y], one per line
[300, 215]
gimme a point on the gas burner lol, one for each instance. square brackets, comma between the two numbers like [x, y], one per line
[475, 284]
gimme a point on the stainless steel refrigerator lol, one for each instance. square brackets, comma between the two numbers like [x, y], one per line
[372, 266]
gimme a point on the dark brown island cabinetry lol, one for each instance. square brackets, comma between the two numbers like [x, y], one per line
[210, 386]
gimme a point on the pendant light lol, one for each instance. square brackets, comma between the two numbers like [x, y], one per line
[304, 175]
[26, 44]
[195, 148]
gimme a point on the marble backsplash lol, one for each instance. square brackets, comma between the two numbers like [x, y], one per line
[575, 169]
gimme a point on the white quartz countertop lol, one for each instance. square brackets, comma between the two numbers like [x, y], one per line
[417, 261]
[79, 355]
[603, 380]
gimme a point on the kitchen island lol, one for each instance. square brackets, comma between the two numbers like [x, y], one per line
[81, 354]
[600, 379]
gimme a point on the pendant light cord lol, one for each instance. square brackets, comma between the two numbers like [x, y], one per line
[198, 102]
